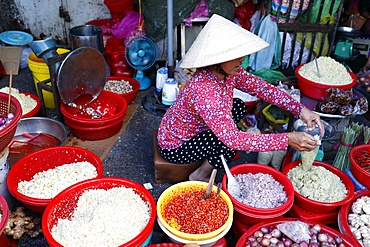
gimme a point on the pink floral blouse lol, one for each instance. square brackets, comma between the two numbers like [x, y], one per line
[206, 102]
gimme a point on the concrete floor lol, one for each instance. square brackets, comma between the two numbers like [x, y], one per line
[132, 155]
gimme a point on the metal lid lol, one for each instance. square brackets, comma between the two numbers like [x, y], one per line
[15, 38]
[82, 72]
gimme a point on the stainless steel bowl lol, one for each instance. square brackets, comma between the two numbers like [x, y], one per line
[301, 126]
[35, 125]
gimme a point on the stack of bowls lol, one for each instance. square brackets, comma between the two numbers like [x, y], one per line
[177, 236]
[111, 106]
[63, 205]
[246, 216]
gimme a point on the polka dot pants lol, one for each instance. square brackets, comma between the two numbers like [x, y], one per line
[205, 145]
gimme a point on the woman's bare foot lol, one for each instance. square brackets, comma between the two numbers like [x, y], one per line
[202, 173]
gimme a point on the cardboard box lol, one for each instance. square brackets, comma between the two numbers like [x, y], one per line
[10, 57]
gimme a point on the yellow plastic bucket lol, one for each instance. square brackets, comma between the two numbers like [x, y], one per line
[40, 72]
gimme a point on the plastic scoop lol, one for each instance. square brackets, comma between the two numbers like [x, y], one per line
[41, 140]
[208, 192]
[232, 184]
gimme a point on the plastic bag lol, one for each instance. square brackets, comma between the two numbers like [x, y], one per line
[127, 26]
[200, 11]
[297, 231]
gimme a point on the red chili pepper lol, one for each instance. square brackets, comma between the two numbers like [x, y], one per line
[195, 215]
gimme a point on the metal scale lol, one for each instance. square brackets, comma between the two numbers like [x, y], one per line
[344, 49]
[78, 73]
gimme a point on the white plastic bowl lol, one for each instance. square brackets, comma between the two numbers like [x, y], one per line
[203, 243]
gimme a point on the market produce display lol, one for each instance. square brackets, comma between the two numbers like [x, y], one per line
[359, 220]
[118, 86]
[326, 65]
[119, 209]
[47, 184]
[6, 120]
[342, 102]
[317, 183]
[261, 190]
[190, 213]
[27, 103]
[293, 233]
[19, 223]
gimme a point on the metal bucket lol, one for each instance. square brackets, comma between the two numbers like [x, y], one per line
[87, 35]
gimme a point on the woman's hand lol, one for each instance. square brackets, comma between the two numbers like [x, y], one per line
[311, 119]
[301, 141]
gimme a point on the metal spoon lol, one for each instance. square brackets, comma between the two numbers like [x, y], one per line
[317, 65]
[208, 192]
[88, 110]
[232, 184]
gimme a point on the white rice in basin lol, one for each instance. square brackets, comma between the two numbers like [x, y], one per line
[331, 72]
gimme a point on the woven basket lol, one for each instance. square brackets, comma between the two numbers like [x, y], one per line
[7, 134]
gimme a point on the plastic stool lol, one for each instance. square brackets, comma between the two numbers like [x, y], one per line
[167, 172]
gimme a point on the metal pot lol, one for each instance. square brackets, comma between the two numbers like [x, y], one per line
[87, 35]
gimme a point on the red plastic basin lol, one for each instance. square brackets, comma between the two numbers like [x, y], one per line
[34, 112]
[316, 90]
[250, 215]
[322, 207]
[130, 96]
[38, 161]
[63, 205]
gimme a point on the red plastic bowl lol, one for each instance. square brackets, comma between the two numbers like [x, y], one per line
[95, 133]
[322, 207]
[358, 172]
[63, 205]
[250, 215]
[38, 161]
[325, 229]
[130, 96]
[88, 128]
[316, 90]
[4, 210]
[345, 210]
[34, 112]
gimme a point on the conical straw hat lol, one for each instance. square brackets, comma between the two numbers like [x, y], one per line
[219, 41]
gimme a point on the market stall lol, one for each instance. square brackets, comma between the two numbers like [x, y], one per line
[296, 208]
